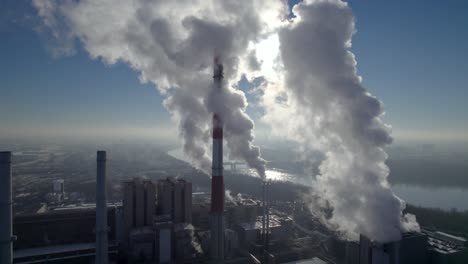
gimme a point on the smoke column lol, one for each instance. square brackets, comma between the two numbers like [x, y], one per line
[172, 44]
[312, 93]
[324, 107]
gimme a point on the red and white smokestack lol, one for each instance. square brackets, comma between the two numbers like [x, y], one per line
[217, 182]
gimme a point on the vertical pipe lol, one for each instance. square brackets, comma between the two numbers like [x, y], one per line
[267, 214]
[6, 228]
[101, 210]
[217, 193]
[217, 182]
[263, 214]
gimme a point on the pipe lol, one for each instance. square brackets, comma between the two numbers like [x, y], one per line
[217, 181]
[6, 223]
[101, 210]
[264, 215]
[267, 215]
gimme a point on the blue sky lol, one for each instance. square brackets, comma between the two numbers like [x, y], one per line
[411, 54]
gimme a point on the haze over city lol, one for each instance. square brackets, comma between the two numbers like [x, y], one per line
[314, 131]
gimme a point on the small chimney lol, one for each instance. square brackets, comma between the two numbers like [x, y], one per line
[6, 223]
[101, 210]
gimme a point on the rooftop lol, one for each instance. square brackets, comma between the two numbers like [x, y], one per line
[83, 206]
[461, 239]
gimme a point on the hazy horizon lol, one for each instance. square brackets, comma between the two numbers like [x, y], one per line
[413, 64]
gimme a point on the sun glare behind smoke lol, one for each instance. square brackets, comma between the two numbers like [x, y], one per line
[267, 52]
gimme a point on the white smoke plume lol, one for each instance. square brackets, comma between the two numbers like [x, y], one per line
[312, 93]
[228, 196]
[194, 240]
[172, 45]
[317, 99]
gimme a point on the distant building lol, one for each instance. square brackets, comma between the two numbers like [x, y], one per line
[446, 248]
[370, 252]
[58, 186]
[431, 247]
[412, 248]
[250, 232]
[242, 211]
[175, 199]
[54, 198]
[455, 241]
[237, 210]
[57, 196]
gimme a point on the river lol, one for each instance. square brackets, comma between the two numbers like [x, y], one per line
[446, 198]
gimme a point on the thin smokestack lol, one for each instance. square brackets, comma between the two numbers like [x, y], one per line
[265, 216]
[217, 181]
[101, 210]
[267, 200]
[6, 229]
[263, 211]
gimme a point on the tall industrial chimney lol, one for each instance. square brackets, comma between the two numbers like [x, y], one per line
[217, 182]
[6, 229]
[101, 210]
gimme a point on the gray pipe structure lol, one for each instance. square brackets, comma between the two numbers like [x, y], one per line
[6, 223]
[101, 210]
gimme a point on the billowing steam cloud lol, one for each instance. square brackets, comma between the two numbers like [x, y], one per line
[311, 94]
[172, 44]
[319, 101]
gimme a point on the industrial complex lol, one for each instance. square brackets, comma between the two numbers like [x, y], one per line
[165, 222]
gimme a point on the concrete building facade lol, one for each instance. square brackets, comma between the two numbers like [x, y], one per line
[175, 199]
[139, 203]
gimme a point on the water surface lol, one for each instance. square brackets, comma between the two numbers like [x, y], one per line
[446, 198]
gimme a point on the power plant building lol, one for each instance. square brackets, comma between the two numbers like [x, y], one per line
[153, 215]
[139, 203]
[64, 233]
[412, 248]
[175, 199]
